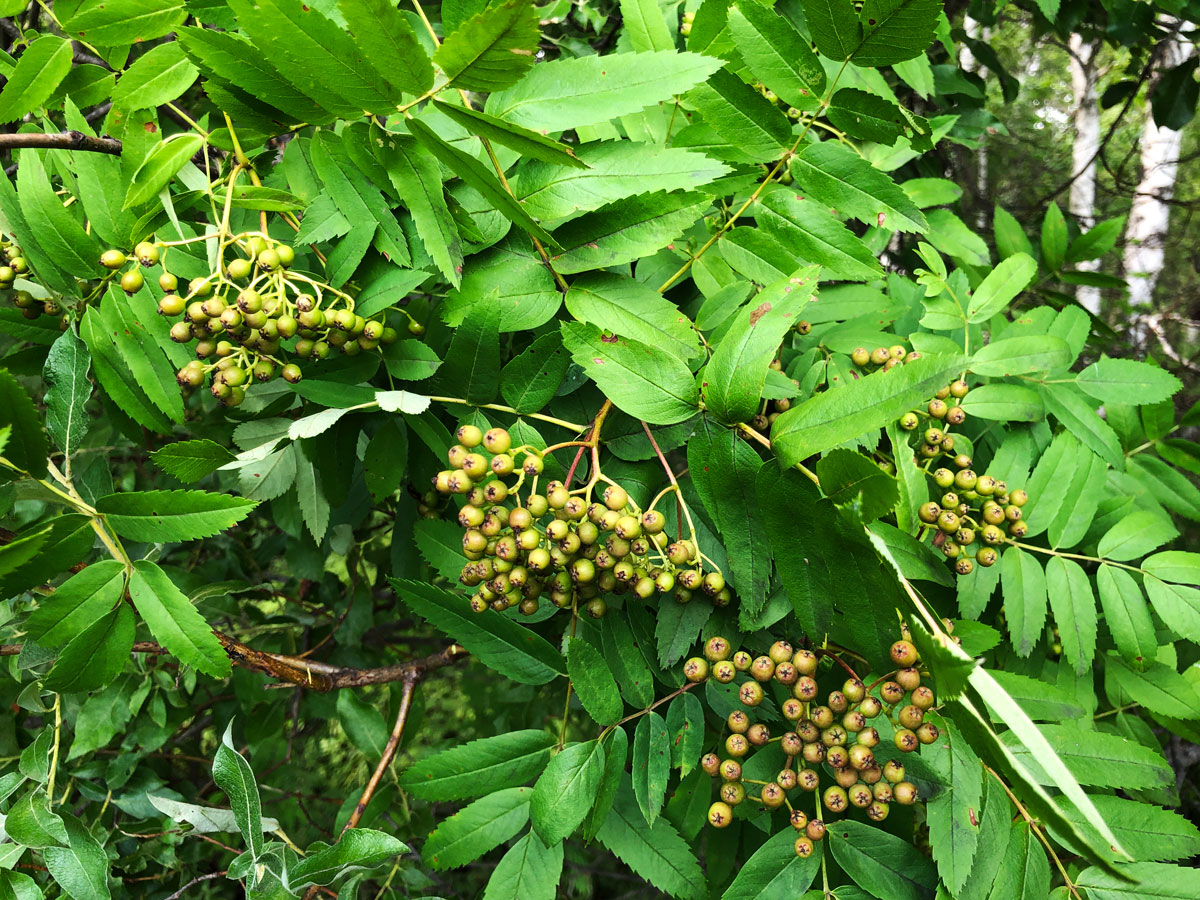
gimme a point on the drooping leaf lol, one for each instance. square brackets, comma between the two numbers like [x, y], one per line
[174, 621]
[67, 391]
[358, 848]
[165, 516]
[835, 176]
[563, 793]
[234, 776]
[593, 682]
[477, 828]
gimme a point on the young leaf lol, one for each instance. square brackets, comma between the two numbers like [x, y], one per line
[563, 793]
[67, 391]
[166, 516]
[657, 853]
[95, 656]
[572, 92]
[829, 418]
[643, 381]
[651, 764]
[529, 871]
[174, 622]
[234, 776]
[1054, 238]
[733, 379]
[500, 643]
[493, 50]
[835, 176]
[593, 682]
[1001, 287]
[480, 767]
[477, 828]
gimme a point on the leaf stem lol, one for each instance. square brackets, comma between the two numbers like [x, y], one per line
[54, 752]
[1096, 559]
[562, 423]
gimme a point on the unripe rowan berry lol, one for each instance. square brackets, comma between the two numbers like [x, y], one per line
[860, 356]
[724, 671]
[132, 281]
[905, 793]
[720, 815]
[731, 770]
[751, 693]
[733, 792]
[717, 648]
[758, 734]
[835, 799]
[742, 660]
[780, 651]
[112, 259]
[737, 745]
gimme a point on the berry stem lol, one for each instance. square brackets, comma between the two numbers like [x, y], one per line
[1096, 559]
[680, 506]
[766, 442]
[562, 423]
[657, 703]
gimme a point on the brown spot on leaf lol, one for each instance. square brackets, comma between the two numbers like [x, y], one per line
[762, 310]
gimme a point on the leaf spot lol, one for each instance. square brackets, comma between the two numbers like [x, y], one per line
[762, 310]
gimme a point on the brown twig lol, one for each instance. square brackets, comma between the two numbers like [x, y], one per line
[389, 750]
[209, 877]
[66, 140]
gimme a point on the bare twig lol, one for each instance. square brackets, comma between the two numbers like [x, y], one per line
[389, 750]
[66, 140]
[209, 877]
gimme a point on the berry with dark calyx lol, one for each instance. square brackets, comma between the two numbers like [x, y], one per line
[1018, 529]
[911, 716]
[835, 799]
[986, 556]
[909, 421]
[922, 697]
[171, 305]
[877, 811]
[742, 661]
[772, 795]
[938, 408]
[112, 259]
[737, 745]
[893, 772]
[653, 522]
[838, 757]
[909, 679]
[905, 740]
[146, 253]
[868, 737]
[733, 792]
[497, 440]
[132, 281]
[854, 690]
[780, 651]
[929, 512]
[723, 671]
[730, 770]
[964, 566]
[720, 815]
[758, 734]
[713, 583]
[1018, 498]
[717, 648]
[962, 461]
[738, 722]
[904, 654]
[805, 662]
[798, 819]
[239, 269]
[596, 607]
[870, 707]
[791, 743]
[815, 829]
[905, 793]
[956, 415]
[813, 754]
[837, 702]
[928, 733]
[751, 693]
[762, 668]
[291, 373]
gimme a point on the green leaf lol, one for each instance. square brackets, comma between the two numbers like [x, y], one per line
[1077, 415]
[563, 793]
[572, 92]
[532, 378]
[1002, 402]
[40, 69]
[1148, 832]
[774, 871]
[528, 871]
[885, 865]
[954, 814]
[724, 470]
[166, 516]
[95, 656]
[732, 382]
[812, 232]
[234, 776]
[657, 853]
[848, 477]
[1020, 355]
[1159, 688]
[994, 829]
[915, 560]
[159, 76]
[594, 683]
[651, 764]
[477, 828]
[777, 54]
[358, 848]
[645, 26]
[472, 364]
[830, 418]
[1001, 287]
[1024, 586]
[500, 643]
[60, 233]
[1177, 606]
[78, 601]
[1143, 881]
[1074, 606]
[67, 391]
[386, 459]
[139, 353]
[26, 447]
[389, 43]
[159, 167]
[80, 868]
[480, 767]
[411, 360]
[1010, 236]
[1054, 238]
[617, 169]
[1095, 758]
[363, 724]
[174, 622]
[1178, 566]
[836, 176]
[67, 541]
[1025, 871]
[1122, 380]
[629, 666]
[634, 309]
[1126, 614]
[1136, 534]
[868, 117]
[31, 822]
[895, 30]
[642, 381]
[685, 730]
[191, 460]
[492, 50]
[755, 127]
[530, 144]
[626, 230]
[834, 27]
[615, 753]
[1097, 241]
[112, 23]
[479, 177]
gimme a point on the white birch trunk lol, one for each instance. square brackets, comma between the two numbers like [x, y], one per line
[1086, 116]
[969, 63]
[1149, 217]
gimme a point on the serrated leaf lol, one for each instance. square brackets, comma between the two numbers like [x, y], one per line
[1137, 534]
[528, 871]
[642, 381]
[756, 128]
[815, 236]
[1023, 583]
[77, 602]
[480, 767]
[1054, 238]
[868, 117]
[26, 447]
[530, 144]
[594, 683]
[651, 764]
[685, 731]
[563, 793]
[389, 43]
[732, 382]
[626, 230]
[777, 54]
[159, 76]
[836, 176]
[573, 92]
[954, 814]
[1074, 606]
[774, 870]
[191, 460]
[492, 50]
[1020, 355]
[95, 656]
[39, 70]
[174, 622]
[531, 379]
[166, 516]
[1077, 415]
[628, 307]
[1122, 380]
[1143, 881]
[629, 666]
[160, 166]
[1025, 871]
[477, 828]
[895, 30]
[1096, 758]
[67, 391]
[1157, 687]
[1126, 614]
[846, 476]
[502, 644]
[882, 863]
[358, 848]
[1001, 286]
[1004, 402]
[829, 418]
[1148, 832]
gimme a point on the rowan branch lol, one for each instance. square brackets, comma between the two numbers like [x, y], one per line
[315, 676]
[66, 140]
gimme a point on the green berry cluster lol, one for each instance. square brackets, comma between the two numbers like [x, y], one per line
[835, 738]
[974, 507]
[250, 315]
[14, 265]
[558, 542]
[885, 358]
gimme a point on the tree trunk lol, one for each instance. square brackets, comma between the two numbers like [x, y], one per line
[1086, 107]
[969, 63]
[1149, 216]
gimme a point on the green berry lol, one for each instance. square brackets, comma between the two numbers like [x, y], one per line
[132, 281]
[720, 815]
[291, 373]
[238, 269]
[112, 259]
